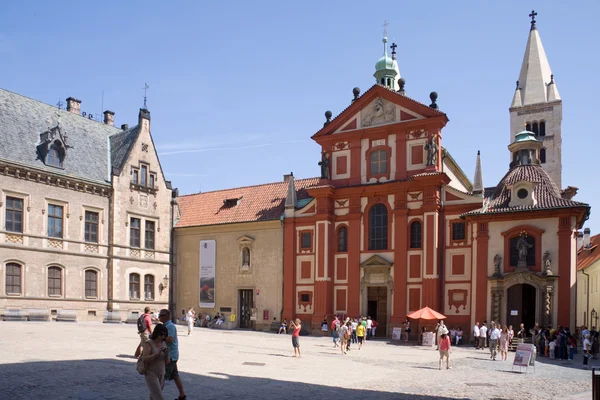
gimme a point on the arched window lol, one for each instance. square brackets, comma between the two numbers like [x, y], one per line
[54, 281]
[246, 257]
[535, 128]
[528, 127]
[91, 284]
[389, 82]
[415, 235]
[378, 227]
[383, 81]
[526, 247]
[134, 286]
[148, 287]
[13, 278]
[543, 156]
[379, 162]
[343, 239]
[542, 128]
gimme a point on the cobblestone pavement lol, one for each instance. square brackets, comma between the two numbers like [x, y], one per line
[52, 360]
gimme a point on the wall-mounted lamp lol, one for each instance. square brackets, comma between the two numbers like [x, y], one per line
[164, 284]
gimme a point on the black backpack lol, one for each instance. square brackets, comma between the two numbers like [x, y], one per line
[141, 324]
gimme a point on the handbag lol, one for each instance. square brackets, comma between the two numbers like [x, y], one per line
[140, 365]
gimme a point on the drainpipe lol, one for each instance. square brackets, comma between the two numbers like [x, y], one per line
[174, 195]
[443, 242]
[587, 312]
[282, 267]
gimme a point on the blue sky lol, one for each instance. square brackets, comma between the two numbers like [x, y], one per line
[238, 88]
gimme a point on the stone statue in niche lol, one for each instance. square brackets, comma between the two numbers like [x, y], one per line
[523, 247]
[432, 151]
[324, 163]
[547, 264]
[497, 266]
[379, 112]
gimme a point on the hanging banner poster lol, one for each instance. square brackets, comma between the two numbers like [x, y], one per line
[207, 273]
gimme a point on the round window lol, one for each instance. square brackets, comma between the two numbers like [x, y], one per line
[522, 193]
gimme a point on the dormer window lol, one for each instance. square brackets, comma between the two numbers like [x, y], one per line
[52, 148]
[231, 202]
[53, 158]
[522, 193]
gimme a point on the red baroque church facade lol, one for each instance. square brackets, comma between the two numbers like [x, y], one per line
[394, 224]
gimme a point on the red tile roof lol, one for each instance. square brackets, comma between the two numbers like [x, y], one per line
[257, 203]
[589, 255]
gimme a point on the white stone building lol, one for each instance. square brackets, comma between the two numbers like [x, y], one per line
[85, 212]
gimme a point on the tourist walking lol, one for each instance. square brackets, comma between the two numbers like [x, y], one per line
[587, 348]
[296, 326]
[483, 335]
[345, 336]
[504, 340]
[440, 330]
[155, 355]
[171, 372]
[445, 350]
[360, 335]
[144, 327]
[369, 327]
[353, 323]
[494, 337]
[476, 335]
[191, 317]
[374, 328]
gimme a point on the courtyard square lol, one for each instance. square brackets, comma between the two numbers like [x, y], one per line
[89, 360]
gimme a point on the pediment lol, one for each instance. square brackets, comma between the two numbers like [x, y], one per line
[376, 107]
[376, 261]
[245, 241]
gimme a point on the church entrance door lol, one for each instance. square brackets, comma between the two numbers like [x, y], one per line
[521, 303]
[377, 307]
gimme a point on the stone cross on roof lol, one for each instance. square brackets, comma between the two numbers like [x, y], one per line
[533, 15]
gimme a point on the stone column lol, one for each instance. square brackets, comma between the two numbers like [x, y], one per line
[496, 304]
[547, 307]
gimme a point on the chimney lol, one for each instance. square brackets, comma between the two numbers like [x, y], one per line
[287, 177]
[586, 237]
[125, 127]
[109, 118]
[579, 240]
[73, 105]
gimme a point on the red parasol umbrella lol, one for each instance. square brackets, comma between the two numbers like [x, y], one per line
[427, 314]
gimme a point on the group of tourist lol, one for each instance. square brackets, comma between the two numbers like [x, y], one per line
[350, 330]
[159, 353]
[495, 336]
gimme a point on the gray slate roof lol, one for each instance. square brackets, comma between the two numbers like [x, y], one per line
[23, 119]
[120, 146]
[547, 194]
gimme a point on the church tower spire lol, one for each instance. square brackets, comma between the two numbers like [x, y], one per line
[387, 72]
[536, 104]
[478, 178]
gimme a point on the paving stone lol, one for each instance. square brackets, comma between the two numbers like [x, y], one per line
[93, 361]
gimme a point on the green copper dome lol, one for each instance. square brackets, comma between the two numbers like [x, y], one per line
[384, 62]
[525, 136]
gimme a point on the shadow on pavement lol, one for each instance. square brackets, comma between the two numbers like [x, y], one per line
[104, 379]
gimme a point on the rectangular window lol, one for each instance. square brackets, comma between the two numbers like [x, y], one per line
[306, 242]
[54, 281]
[134, 232]
[143, 175]
[152, 181]
[458, 231]
[13, 279]
[14, 214]
[149, 237]
[305, 297]
[91, 284]
[55, 221]
[149, 287]
[91, 227]
[134, 286]
[135, 176]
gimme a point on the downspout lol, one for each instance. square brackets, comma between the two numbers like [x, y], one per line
[109, 261]
[282, 266]
[587, 312]
[174, 195]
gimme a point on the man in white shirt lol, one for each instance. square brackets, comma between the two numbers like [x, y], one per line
[494, 336]
[482, 336]
[476, 335]
[369, 326]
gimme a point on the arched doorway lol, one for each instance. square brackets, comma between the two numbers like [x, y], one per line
[521, 306]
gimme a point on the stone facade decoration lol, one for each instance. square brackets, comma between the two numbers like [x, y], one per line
[65, 239]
